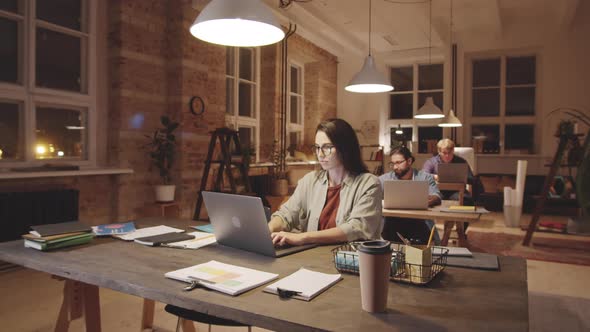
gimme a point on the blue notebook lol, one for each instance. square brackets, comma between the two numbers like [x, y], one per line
[204, 228]
[114, 229]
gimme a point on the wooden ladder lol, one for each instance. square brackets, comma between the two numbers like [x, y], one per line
[225, 136]
[555, 165]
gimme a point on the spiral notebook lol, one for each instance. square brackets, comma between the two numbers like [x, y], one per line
[306, 283]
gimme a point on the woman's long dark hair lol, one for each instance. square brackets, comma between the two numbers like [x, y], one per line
[344, 139]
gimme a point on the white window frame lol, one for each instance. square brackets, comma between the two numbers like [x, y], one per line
[413, 122]
[236, 121]
[296, 127]
[28, 95]
[502, 119]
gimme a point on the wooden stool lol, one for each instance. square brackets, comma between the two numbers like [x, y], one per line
[165, 205]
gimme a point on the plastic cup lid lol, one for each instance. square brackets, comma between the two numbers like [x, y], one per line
[375, 247]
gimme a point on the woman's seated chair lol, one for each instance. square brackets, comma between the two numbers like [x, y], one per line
[186, 315]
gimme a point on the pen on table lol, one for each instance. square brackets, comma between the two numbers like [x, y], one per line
[202, 280]
[430, 237]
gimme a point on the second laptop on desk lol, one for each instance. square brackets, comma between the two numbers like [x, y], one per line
[405, 194]
[240, 221]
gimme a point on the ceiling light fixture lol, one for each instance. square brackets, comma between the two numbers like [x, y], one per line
[451, 120]
[429, 110]
[369, 79]
[240, 23]
[399, 130]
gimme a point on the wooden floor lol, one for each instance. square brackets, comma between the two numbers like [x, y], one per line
[559, 298]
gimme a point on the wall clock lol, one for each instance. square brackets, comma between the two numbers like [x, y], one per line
[196, 105]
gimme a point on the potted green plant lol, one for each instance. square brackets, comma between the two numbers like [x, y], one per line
[280, 184]
[162, 151]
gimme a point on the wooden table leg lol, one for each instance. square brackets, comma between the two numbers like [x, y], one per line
[79, 299]
[91, 308]
[447, 232]
[188, 326]
[147, 315]
[461, 233]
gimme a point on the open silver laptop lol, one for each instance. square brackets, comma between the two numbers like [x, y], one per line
[405, 194]
[239, 221]
[453, 173]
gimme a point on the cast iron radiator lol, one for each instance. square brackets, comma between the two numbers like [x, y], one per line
[20, 210]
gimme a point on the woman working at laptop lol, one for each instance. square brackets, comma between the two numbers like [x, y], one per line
[338, 203]
[417, 231]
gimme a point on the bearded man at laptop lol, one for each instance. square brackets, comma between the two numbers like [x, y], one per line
[417, 231]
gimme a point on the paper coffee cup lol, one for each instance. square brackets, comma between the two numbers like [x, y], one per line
[374, 270]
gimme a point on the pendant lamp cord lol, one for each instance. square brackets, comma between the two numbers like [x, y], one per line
[430, 36]
[370, 2]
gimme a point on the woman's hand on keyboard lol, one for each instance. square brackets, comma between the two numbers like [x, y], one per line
[283, 238]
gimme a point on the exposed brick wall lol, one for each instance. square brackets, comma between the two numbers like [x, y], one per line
[154, 67]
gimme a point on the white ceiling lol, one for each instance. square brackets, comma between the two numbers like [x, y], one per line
[342, 26]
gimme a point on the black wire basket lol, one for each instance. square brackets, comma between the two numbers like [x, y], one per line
[346, 260]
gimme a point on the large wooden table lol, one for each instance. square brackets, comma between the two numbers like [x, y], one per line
[435, 213]
[457, 300]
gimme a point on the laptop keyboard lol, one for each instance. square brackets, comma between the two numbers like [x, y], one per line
[282, 247]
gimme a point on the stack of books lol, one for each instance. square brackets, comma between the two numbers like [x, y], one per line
[54, 236]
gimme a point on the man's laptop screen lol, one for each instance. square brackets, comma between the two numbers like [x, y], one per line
[405, 194]
[452, 172]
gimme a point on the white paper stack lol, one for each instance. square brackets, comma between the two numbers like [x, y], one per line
[307, 283]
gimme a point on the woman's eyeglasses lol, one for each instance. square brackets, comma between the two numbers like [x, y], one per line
[396, 163]
[326, 149]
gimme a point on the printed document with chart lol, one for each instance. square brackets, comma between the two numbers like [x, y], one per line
[225, 278]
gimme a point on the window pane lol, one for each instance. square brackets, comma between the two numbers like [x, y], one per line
[66, 13]
[246, 100]
[436, 96]
[60, 133]
[430, 77]
[486, 72]
[405, 137]
[401, 106]
[486, 102]
[58, 61]
[520, 101]
[520, 138]
[520, 70]
[402, 78]
[295, 80]
[229, 96]
[427, 139]
[246, 64]
[10, 125]
[229, 61]
[245, 134]
[9, 56]
[293, 141]
[486, 138]
[11, 6]
[294, 118]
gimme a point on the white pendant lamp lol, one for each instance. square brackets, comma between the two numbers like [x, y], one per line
[399, 130]
[240, 23]
[369, 79]
[451, 121]
[429, 110]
